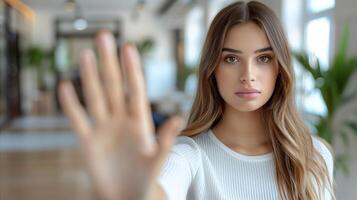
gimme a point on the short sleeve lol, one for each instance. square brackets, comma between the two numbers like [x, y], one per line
[179, 168]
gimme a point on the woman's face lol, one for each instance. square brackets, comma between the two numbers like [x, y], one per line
[248, 68]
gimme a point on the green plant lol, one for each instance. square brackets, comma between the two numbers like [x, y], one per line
[332, 84]
[35, 57]
[183, 75]
[145, 46]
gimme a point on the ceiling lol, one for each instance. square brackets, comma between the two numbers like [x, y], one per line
[93, 4]
[171, 12]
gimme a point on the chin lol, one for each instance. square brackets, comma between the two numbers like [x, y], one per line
[246, 108]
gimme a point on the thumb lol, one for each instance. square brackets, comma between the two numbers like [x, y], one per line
[166, 137]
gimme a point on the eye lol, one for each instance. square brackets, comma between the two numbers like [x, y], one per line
[231, 59]
[264, 59]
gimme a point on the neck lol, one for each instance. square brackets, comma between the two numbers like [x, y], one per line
[243, 132]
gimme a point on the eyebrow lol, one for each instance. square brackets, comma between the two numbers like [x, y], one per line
[256, 51]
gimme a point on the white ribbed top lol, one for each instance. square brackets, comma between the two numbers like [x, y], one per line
[203, 168]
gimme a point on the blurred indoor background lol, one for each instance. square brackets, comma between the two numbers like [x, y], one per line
[40, 41]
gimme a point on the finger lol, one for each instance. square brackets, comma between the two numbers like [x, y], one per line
[110, 71]
[139, 107]
[73, 109]
[138, 103]
[93, 92]
[166, 137]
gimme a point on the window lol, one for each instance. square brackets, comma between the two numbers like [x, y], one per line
[309, 25]
[318, 39]
[194, 34]
[320, 5]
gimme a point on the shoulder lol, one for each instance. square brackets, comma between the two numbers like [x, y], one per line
[325, 150]
[323, 147]
[186, 146]
[180, 168]
[188, 150]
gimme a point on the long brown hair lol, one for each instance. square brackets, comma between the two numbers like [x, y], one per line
[300, 170]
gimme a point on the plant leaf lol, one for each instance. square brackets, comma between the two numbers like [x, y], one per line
[303, 59]
[342, 49]
[341, 163]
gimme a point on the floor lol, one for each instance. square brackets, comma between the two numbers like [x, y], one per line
[39, 159]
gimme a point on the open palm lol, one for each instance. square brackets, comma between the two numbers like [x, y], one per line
[118, 142]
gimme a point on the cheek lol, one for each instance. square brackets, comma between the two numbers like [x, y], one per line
[268, 80]
[225, 78]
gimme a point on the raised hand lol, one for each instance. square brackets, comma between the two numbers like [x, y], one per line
[118, 142]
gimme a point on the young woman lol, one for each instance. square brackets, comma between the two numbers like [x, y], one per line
[244, 138]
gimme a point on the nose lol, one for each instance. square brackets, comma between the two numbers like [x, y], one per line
[247, 77]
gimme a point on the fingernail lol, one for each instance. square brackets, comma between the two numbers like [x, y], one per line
[130, 50]
[106, 39]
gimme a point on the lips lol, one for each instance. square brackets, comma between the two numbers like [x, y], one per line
[247, 91]
[248, 94]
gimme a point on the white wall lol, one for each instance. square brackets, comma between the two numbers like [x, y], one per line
[346, 13]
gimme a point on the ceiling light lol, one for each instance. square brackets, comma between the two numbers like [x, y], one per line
[80, 24]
